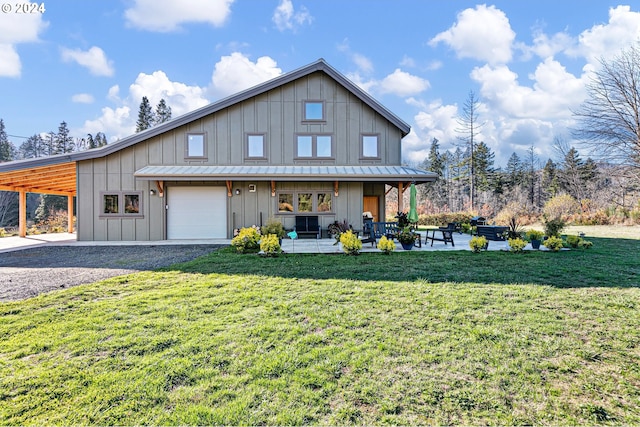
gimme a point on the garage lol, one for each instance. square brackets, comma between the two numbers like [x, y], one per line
[196, 213]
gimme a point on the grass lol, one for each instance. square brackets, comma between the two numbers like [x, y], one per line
[410, 338]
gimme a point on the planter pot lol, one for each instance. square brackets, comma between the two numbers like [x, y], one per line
[407, 246]
[486, 247]
[535, 244]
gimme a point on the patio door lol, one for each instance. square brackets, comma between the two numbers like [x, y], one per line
[372, 204]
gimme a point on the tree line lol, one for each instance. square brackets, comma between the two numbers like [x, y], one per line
[40, 207]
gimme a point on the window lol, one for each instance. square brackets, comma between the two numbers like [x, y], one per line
[285, 202]
[314, 110]
[314, 146]
[196, 147]
[305, 202]
[121, 204]
[110, 203]
[256, 146]
[370, 146]
[131, 203]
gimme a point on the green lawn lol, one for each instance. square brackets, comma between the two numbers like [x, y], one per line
[410, 338]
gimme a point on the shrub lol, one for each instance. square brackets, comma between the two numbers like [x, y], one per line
[553, 243]
[516, 245]
[477, 243]
[578, 242]
[386, 246]
[351, 245]
[270, 245]
[247, 240]
[585, 244]
[273, 226]
[535, 234]
[33, 230]
[553, 227]
[3, 232]
[561, 207]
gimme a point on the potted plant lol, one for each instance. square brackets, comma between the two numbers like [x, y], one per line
[478, 243]
[535, 237]
[407, 238]
[273, 226]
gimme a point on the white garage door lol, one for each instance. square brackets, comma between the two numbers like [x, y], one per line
[197, 213]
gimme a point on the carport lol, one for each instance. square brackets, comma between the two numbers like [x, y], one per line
[52, 175]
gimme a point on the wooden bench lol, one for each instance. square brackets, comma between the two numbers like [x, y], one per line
[492, 232]
[308, 224]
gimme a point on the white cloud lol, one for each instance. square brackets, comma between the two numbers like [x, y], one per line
[93, 59]
[232, 74]
[401, 83]
[82, 98]
[483, 33]
[554, 91]
[169, 15]
[10, 65]
[236, 72]
[119, 122]
[287, 18]
[17, 29]
[606, 40]
[156, 86]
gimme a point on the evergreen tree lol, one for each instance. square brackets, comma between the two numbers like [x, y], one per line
[571, 174]
[7, 149]
[145, 116]
[63, 143]
[163, 112]
[435, 162]
[100, 139]
[48, 146]
[513, 171]
[549, 182]
[483, 168]
[32, 148]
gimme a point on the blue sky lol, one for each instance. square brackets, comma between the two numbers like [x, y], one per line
[90, 62]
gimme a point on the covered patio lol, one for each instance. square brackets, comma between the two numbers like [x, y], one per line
[57, 177]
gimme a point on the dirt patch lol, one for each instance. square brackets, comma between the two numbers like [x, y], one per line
[30, 272]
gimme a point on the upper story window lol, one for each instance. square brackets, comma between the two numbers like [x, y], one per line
[314, 146]
[196, 146]
[256, 147]
[370, 148]
[314, 110]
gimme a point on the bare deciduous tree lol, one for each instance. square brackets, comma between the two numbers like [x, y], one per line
[609, 120]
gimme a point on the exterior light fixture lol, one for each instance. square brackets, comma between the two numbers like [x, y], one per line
[237, 191]
[152, 192]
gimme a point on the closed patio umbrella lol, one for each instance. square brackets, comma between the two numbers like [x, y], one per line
[413, 203]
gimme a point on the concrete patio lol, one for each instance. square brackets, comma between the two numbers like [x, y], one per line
[324, 246]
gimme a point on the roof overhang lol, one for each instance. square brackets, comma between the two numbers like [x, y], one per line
[389, 174]
[57, 178]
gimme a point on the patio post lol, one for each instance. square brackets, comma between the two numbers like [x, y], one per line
[70, 213]
[22, 214]
[400, 194]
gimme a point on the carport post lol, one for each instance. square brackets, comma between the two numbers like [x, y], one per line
[70, 213]
[22, 214]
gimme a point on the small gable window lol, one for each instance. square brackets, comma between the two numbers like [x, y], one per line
[313, 110]
[256, 147]
[196, 147]
[370, 146]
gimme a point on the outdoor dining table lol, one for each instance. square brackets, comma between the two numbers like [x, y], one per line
[431, 235]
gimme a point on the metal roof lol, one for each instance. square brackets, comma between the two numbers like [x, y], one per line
[319, 65]
[373, 173]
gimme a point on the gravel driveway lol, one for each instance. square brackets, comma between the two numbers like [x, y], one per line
[30, 272]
